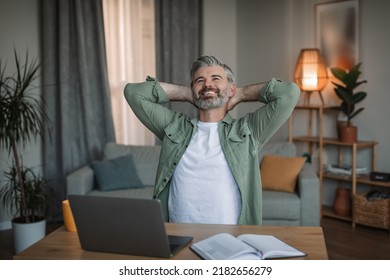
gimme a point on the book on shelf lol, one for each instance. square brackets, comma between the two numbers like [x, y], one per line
[345, 169]
[224, 246]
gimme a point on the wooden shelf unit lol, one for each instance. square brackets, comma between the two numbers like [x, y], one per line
[320, 141]
[360, 179]
[327, 211]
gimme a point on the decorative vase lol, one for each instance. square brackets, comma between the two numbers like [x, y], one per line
[348, 134]
[26, 234]
[342, 204]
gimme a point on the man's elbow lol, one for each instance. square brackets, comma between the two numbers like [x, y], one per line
[295, 91]
[291, 93]
[128, 93]
[133, 92]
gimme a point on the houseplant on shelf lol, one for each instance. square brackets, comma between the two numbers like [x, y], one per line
[349, 99]
[22, 118]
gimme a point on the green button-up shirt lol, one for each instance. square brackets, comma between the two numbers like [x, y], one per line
[241, 139]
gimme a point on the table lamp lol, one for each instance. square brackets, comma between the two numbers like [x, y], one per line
[310, 73]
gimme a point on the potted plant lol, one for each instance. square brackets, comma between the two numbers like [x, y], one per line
[22, 117]
[349, 99]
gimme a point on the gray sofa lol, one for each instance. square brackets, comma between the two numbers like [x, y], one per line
[279, 208]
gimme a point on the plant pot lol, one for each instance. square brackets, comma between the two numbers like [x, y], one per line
[348, 134]
[342, 204]
[340, 124]
[26, 234]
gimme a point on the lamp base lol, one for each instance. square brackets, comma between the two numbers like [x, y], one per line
[308, 95]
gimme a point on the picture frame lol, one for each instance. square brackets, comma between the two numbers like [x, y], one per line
[337, 33]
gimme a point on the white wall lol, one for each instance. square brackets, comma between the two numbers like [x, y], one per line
[19, 28]
[220, 30]
[220, 33]
[375, 47]
[263, 46]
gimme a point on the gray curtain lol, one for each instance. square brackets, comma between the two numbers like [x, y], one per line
[178, 42]
[75, 89]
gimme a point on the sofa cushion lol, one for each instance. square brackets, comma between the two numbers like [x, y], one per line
[117, 173]
[280, 173]
[281, 206]
[146, 159]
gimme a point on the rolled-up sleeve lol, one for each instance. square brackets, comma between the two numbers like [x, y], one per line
[280, 99]
[149, 90]
[147, 101]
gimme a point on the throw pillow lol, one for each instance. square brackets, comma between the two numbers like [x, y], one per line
[280, 173]
[117, 173]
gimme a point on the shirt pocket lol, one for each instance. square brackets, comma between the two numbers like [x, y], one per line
[173, 133]
[241, 135]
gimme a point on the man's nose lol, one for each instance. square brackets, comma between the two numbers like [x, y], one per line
[208, 83]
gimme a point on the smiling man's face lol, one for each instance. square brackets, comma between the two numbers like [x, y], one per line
[211, 88]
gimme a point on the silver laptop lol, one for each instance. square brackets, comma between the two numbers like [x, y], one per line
[123, 225]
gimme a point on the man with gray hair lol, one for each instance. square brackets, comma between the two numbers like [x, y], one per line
[208, 170]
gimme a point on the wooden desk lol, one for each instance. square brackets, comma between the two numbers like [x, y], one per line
[63, 245]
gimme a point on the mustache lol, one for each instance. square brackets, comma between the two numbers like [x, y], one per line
[206, 89]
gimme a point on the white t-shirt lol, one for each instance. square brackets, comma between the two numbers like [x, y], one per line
[203, 189]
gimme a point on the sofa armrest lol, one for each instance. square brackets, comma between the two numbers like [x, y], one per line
[309, 192]
[80, 181]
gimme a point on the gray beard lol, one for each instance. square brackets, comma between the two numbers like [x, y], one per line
[207, 104]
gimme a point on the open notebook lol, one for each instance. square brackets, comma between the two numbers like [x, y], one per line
[224, 246]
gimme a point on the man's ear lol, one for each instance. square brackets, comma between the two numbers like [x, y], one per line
[232, 90]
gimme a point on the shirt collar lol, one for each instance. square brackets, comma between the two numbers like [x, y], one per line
[227, 119]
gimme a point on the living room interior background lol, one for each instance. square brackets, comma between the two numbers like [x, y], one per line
[260, 39]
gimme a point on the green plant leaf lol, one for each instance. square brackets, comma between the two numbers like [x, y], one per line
[359, 96]
[356, 112]
[359, 83]
[22, 117]
[339, 73]
[347, 108]
[37, 192]
[344, 107]
[339, 85]
[346, 92]
[352, 76]
[344, 95]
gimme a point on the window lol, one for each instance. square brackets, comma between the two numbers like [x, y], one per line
[130, 46]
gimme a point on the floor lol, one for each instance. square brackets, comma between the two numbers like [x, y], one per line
[343, 242]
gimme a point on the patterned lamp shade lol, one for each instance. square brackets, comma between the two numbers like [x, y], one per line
[310, 71]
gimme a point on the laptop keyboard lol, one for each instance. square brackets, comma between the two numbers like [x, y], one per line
[173, 247]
